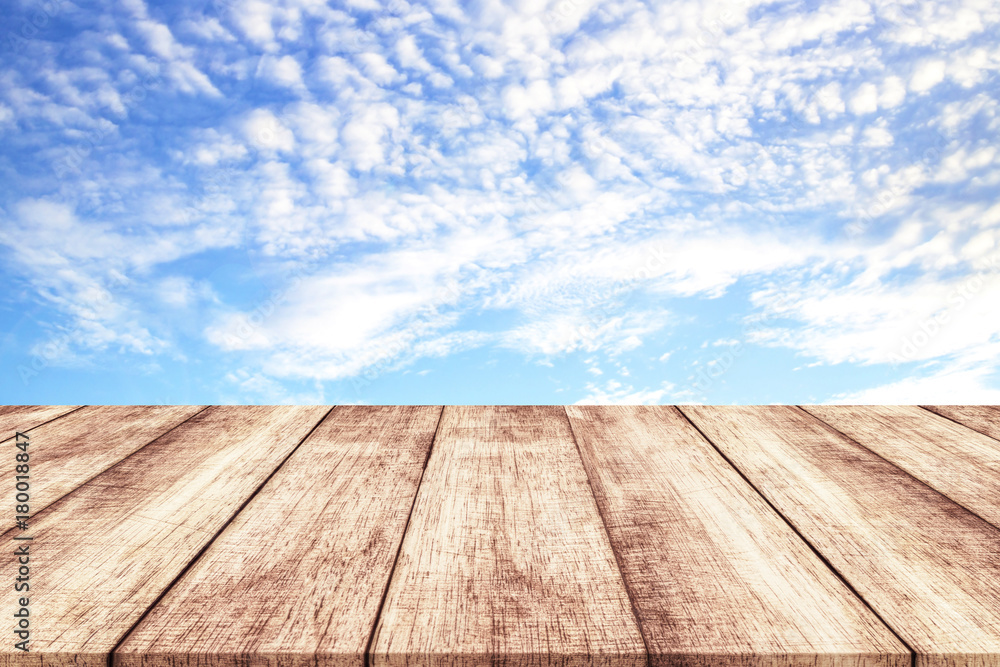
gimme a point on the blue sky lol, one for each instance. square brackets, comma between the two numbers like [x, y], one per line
[474, 202]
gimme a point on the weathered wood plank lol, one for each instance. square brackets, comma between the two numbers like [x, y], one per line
[928, 567]
[506, 560]
[102, 554]
[297, 577]
[22, 418]
[67, 452]
[957, 461]
[982, 418]
[716, 576]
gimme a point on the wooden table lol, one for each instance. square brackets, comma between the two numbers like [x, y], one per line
[516, 536]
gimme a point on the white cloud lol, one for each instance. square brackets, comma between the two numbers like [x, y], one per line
[183, 291]
[616, 393]
[546, 148]
[396, 304]
[265, 132]
[926, 75]
[829, 98]
[878, 137]
[868, 321]
[315, 126]
[81, 269]
[521, 101]
[253, 17]
[284, 71]
[587, 330]
[974, 386]
[332, 180]
[378, 69]
[865, 99]
[410, 56]
[214, 148]
[893, 92]
[491, 68]
[238, 331]
[365, 135]
[178, 66]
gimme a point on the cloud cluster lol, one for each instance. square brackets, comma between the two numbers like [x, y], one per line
[413, 180]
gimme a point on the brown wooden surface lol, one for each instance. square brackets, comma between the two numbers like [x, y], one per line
[982, 418]
[506, 560]
[21, 418]
[928, 567]
[298, 576]
[957, 461]
[717, 576]
[213, 544]
[105, 552]
[68, 451]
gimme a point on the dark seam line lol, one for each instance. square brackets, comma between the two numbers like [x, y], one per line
[975, 430]
[101, 472]
[611, 542]
[47, 421]
[913, 653]
[897, 467]
[366, 657]
[201, 552]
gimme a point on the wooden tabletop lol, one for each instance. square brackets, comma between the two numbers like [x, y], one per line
[295, 536]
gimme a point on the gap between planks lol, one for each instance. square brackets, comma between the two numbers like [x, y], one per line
[697, 541]
[366, 653]
[298, 574]
[112, 658]
[114, 543]
[923, 562]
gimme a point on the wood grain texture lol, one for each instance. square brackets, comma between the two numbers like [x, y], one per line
[717, 577]
[928, 567]
[21, 418]
[298, 576]
[506, 560]
[957, 461]
[67, 452]
[982, 418]
[105, 552]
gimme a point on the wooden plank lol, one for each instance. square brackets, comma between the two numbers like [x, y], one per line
[67, 452]
[506, 560]
[22, 418]
[982, 418]
[103, 554]
[928, 567]
[957, 461]
[716, 576]
[298, 576]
